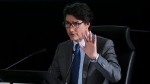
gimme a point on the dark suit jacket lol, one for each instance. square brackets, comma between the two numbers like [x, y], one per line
[105, 69]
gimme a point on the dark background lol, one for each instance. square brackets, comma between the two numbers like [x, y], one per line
[27, 26]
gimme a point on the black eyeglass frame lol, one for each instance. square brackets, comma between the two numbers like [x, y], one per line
[74, 24]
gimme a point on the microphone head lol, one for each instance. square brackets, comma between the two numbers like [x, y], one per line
[43, 50]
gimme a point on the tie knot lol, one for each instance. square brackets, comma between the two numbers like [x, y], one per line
[77, 46]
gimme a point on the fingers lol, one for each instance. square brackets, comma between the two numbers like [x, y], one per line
[95, 39]
[81, 46]
[84, 37]
[90, 36]
[87, 36]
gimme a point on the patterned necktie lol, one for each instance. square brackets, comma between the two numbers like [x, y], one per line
[75, 65]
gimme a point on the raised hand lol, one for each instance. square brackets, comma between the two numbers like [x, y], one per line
[90, 47]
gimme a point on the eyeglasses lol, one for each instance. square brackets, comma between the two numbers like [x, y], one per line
[74, 24]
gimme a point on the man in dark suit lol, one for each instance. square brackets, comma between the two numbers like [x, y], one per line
[98, 62]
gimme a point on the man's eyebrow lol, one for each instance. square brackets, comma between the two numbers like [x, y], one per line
[72, 21]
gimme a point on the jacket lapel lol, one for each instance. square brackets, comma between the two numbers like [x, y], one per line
[85, 68]
[68, 60]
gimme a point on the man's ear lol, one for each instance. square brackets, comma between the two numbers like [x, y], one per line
[88, 24]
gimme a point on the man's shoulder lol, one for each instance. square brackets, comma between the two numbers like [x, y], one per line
[101, 39]
[67, 42]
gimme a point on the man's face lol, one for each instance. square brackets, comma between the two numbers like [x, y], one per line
[75, 28]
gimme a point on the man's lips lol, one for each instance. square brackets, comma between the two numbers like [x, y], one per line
[72, 34]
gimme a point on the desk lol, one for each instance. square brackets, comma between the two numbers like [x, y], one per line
[14, 83]
[27, 77]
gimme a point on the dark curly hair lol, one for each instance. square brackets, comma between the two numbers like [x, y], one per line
[79, 10]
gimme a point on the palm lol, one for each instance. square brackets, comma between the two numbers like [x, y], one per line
[90, 45]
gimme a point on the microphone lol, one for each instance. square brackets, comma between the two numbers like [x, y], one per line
[42, 50]
[66, 81]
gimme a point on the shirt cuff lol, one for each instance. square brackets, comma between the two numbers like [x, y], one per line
[95, 59]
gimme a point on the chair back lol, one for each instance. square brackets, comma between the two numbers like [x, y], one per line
[123, 45]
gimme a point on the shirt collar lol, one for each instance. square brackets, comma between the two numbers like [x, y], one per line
[82, 42]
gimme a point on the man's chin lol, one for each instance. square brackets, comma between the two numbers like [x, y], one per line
[74, 39]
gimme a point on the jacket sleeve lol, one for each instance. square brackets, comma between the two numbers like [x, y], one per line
[107, 63]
